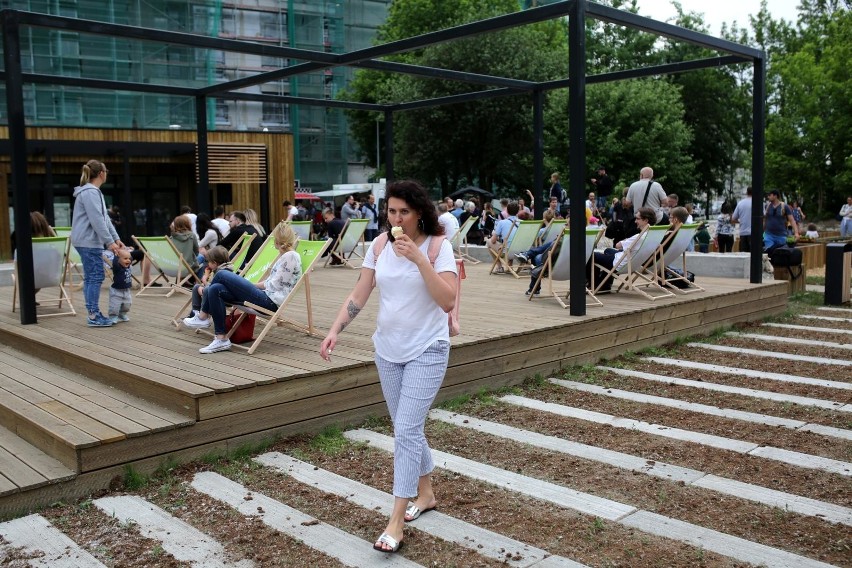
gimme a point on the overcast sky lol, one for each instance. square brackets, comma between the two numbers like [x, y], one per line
[718, 11]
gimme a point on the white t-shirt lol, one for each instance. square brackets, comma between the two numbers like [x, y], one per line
[450, 224]
[409, 320]
[223, 226]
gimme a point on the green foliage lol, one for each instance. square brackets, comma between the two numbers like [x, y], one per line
[330, 441]
[133, 479]
[456, 403]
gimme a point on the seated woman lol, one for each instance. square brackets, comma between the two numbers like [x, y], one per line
[229, 288]
[185, 241]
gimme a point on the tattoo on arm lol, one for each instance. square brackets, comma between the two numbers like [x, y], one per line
[352, 310]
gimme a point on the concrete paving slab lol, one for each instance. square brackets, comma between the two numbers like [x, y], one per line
[780, 377]
[482, 541]
[773, 354]
[825, 318]
[319, 536]
[48, 545]
[808, 328]
[181, 540]
[777, 339]
[754, 393]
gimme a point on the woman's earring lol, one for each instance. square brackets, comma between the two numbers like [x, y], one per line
[420, 224]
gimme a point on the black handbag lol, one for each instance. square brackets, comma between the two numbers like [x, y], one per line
[785, 256]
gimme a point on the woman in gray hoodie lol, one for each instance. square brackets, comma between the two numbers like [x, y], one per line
[91, 232]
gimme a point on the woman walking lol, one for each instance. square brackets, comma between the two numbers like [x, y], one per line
[91, 232]
[412, 340]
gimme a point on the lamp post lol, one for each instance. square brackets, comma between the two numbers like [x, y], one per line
[378, 146]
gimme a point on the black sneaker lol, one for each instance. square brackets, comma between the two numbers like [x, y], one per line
[522, 256]
[529, 292]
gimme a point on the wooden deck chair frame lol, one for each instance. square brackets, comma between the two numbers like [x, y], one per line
[154, 248]
[50, 269]
[350, 237]
[677, 250]
[555, 229]
[239, 251]
[521, 238]
[303, 229]
[75, 263]
[630, 274]
[459, 241]
[256, 268]
[311, 252]
[558, 269]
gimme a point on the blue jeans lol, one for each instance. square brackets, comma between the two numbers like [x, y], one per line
[93, 276]
[770, 240]
[228, 288]
[536, 254]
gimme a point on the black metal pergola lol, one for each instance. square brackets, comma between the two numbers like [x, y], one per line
[370, 58]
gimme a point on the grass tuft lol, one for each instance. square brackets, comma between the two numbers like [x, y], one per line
[330, 441]
[134, 479]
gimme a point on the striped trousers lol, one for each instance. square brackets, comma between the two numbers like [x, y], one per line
[410, 389]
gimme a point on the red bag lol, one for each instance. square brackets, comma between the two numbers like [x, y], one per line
[245, 332]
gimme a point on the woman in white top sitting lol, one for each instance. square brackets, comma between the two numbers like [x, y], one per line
[614, 257]
[411, 340]
[230, 288]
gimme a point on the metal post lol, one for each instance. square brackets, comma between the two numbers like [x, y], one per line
[18, 159]
[48, 188]
[202, 190]
[542, 196]
[378, 147]
[577, 153]
[757, 157]
[126, 203]
[389, 145]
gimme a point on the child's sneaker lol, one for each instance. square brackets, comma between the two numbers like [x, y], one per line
[113, 319]
[123, 317]
[216, 346]
[196, 322]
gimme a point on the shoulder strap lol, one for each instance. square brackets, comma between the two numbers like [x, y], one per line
[647, 191]
[434, 249]
[379, 245]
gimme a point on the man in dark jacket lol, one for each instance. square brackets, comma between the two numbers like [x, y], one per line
[239, 228]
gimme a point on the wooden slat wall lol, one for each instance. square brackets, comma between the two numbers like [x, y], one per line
[246, 193]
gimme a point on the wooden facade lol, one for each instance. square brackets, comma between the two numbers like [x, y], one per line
[245, 184]
[140, 392]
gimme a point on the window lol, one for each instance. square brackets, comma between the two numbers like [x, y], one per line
[276, 114]
[222, 112]
[273, 26]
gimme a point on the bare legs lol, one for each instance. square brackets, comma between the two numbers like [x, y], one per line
[425, 500]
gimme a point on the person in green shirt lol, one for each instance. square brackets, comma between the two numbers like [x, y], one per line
[702, 237]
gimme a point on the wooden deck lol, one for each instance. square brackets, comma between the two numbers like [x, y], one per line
[78, 404]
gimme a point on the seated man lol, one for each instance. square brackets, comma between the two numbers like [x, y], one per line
[448, 221]
[614, 257]
[678, 217]
[504, 229]
[333, 228]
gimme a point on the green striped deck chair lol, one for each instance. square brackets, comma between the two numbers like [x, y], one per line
[459, 241]
[349, 239]
[50, 269]
[557, 267]
[172, 268]
[254, 271]
[520, 239]
[555, 229]
[240, 249]
[310, 252]
[631, 273]
[75, 263]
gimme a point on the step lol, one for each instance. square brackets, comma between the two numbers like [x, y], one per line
[24, 467]
[62, 413]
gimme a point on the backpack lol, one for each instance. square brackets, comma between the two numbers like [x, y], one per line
[432, 253]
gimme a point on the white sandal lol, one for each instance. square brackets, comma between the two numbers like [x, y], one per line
[387, 540]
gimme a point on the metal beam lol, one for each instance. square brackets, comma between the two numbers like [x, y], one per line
[18, 160]
[629, 19]
[577, 156]
[446, 74]
[758, 139]
[455, 99]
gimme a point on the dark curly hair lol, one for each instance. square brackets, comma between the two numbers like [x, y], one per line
[416, 197]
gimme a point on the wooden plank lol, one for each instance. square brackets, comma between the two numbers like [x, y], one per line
[19, 472]
[33, 457]
[82, 421]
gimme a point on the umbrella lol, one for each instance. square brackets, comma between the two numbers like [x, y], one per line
[306, 195]
[471, 190]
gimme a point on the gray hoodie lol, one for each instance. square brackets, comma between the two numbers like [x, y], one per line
[90, 225]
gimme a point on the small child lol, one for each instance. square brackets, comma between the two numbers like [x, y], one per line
[812, 232]
[702, 237]
[120, 296]
[217, 259]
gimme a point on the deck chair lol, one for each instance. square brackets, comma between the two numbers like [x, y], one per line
[302, 229]
[554, 230]
[241, 247]
[310, 251]
[677, 251]
[520, 239]
[557, 268]
[460, 239]
[345, 245]
[50, 269]
[631, 274]
[170, 265]
[75, 263]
